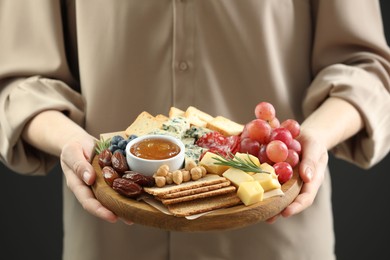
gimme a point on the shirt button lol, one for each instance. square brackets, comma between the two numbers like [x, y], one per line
[183, 66]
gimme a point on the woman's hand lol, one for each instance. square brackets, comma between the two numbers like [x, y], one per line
[312, 168]
[75, 147]
[76, 159]
[320, 133]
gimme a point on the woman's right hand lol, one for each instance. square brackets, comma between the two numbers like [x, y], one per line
[76, 157]
[75, 147]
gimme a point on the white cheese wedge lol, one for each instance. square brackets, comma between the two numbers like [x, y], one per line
[250, 192]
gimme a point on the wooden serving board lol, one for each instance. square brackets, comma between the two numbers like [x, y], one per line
[229, 218]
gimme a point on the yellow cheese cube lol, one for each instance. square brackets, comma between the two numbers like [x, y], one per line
[209, 163]
[267, 181]
[250, 192]
[237, 176]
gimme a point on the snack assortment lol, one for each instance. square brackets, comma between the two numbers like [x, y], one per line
[226, 163]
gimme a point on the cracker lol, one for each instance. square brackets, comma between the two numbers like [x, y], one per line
[198, 206]
[209, 179]
[201, 195]
[144, 124]
[195, 190]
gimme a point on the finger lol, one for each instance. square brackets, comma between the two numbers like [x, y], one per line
[272, 219]
[302, 201]
[86, 197]
[307, 194]
[127, 222]
[77, 159]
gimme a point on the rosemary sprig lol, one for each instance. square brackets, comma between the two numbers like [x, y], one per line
[246, 165]
[101, 145]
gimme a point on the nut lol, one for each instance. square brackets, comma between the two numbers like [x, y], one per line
[196, 173]
[162, 170]
[177, 177]
[160, 181]
[186, 175]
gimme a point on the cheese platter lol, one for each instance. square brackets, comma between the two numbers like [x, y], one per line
[220, 184]
[222, 219]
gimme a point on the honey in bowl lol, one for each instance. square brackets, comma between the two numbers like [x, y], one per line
[145, 154]
[155, 149]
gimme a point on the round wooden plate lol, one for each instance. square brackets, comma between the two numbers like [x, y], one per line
[229, 218]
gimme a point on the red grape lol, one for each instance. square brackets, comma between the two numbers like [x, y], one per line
[265, 111]
[263, 158]
[277, 151]
[296, 146]
[282, 134]
[250, 146]
[284, 171]
[258, 130]
[274, 123]
[244, 132]
[292, 126]
[292, 158]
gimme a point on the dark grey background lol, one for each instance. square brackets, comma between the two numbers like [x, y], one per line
[31, 208]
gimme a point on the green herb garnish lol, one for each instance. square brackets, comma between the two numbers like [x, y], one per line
[246, 165]
[102, 145]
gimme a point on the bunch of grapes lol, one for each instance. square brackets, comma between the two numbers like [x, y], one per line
[271, 141]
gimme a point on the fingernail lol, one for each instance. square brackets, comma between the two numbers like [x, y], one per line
[86, 176]
[309, 173]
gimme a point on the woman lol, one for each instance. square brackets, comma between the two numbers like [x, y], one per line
[90, 67]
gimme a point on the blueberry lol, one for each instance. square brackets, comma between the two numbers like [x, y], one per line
[116, 139]
[131, 137]
[113, 148]
[119, 151]
[122, 144]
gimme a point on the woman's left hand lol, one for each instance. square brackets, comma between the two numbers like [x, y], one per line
[314, 160]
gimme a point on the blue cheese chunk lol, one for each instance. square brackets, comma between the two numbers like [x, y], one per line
[176, 125]
[196, 132]
[193, 152]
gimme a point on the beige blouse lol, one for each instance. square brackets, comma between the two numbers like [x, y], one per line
[104, 62]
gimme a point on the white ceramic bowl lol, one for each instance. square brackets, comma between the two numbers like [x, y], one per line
[149, 166]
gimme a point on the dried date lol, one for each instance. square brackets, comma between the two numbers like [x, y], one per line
[119, 163]
[142, 180]
[104, 158]
[109, 175]
[127, 188]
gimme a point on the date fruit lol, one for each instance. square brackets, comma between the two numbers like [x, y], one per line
[104, 158]
[109, 175]
[142, 180]
[126, 187]
[119, 163]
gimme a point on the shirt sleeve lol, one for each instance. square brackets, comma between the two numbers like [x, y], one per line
[34, 77]
[351, 61]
